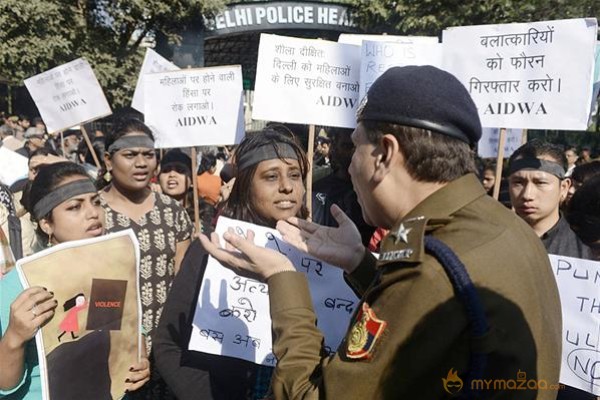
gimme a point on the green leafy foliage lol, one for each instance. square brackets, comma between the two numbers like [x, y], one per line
[36, 35]
[430, 17]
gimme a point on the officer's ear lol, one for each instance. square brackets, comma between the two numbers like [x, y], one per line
[387, 155]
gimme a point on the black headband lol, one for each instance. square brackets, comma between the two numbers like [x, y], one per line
[266, 152]
[61, 194]
[535, 163]
[131, 141]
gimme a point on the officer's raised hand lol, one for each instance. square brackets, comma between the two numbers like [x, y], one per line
[241, 255]
[341, 246]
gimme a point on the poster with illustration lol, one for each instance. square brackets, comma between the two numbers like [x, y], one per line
[86, 349]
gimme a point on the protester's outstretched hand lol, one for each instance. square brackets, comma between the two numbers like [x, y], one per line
[139, 374]
[30, 310]
[241, 255]
[341, 246]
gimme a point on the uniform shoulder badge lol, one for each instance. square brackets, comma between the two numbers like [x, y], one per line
[366, 330]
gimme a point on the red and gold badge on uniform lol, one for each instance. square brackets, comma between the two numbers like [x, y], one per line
[366, 330]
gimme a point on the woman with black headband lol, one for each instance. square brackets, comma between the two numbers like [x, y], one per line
[162, 226]
[270, 171]
[64, 202]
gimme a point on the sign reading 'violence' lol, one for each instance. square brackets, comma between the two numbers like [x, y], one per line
[68, 95]
[306, 81]
[534, 75]
[195, 107]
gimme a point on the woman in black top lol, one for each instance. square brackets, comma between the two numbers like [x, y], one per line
[271, 170]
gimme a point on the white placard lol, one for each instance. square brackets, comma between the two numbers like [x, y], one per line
[378, 56]
[487, 147]
[68, 95]
[13, 166]
[529, 75]
[596, 87]
[153, 63]
[232, 315]
[578, 284]
[357, 39]
[306, 81]
[195, 107]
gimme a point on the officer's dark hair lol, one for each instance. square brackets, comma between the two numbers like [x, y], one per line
[538, 148]
[583, 212]
[239, 205]
[428, 156]
[583, 172]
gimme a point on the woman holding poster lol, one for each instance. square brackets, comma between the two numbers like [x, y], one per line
[65, 204]
[162, 226]
[270, 175]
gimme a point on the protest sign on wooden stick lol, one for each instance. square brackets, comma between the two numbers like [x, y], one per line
[499, 163]
[534, 75]
[68, 95]
[195, 106]
[306, 81]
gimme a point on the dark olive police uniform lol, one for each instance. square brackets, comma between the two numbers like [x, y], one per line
[416, 331]
[414, 335]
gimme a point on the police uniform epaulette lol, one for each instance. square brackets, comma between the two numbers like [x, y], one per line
[405, 241]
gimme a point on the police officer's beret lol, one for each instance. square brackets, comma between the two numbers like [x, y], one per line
[422, 97]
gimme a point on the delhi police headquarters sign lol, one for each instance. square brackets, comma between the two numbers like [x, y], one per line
[280, 15]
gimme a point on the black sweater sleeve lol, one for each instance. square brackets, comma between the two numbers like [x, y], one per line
[192, 374]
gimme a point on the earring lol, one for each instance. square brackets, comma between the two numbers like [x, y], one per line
[49, 240]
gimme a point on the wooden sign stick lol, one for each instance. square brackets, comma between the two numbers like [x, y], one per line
[499, 162]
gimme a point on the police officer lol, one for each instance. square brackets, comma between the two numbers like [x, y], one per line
[462, 298]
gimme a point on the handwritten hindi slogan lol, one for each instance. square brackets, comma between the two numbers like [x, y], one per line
[153, 63]
[377, 57]
[195, 107]
[306, 81]
[232, 314]
[68, 95]
[487, 147]
[578, 284]
[528, 75]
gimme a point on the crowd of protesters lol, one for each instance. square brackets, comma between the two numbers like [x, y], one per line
[130, 185]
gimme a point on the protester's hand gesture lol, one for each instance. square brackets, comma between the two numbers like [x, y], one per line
[341, 246]
[139, 374]
[30, 310]
[245, 258]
